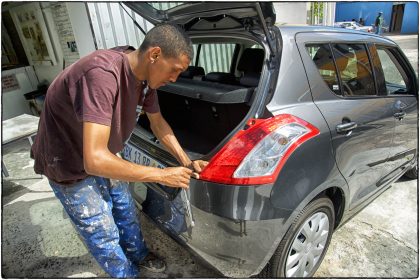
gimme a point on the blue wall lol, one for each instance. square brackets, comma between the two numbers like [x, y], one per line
[369, 11]
[410, 22]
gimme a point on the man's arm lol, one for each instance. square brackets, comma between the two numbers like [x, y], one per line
[166, 136]
[99, 161]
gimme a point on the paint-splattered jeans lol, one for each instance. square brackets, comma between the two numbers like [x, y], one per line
[106, 218]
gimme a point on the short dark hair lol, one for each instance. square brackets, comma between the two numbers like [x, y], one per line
[172, 40]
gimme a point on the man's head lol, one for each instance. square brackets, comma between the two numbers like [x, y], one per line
[167, 51]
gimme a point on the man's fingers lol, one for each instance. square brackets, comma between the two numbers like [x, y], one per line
[187, 170]
[195, 175]
[185, 185]
[199, 165]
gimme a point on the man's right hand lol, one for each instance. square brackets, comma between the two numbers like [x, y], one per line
[176, 177]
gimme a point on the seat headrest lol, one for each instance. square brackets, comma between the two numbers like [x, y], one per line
[220, 77]
[192, 71]
[324, 61]
[251, 60]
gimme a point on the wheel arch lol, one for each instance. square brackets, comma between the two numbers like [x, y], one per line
[337, 197]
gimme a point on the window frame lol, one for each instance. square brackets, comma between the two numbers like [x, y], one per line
[403, 66]
[330, 43]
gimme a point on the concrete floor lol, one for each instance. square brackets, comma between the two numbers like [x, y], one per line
[38, 240]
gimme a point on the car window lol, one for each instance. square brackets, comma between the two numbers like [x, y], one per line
[216, 57]
[395, 80]
[322, 57]
[354, 69]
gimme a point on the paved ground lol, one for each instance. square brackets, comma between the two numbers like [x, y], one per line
[38, 240]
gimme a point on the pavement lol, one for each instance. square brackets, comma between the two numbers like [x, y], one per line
[39, 241]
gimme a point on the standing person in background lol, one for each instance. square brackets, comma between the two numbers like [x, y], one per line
[378, 23]
[362, 22]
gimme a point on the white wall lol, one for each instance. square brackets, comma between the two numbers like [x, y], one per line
[13, 102]
[291, 12]
[298, 12]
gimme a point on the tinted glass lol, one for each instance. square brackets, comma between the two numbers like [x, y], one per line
[396, 81]
[322, 57]
[354, 68]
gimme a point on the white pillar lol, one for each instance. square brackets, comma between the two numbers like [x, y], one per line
[81, 27]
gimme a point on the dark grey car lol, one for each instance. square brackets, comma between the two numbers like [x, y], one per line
[303, 128]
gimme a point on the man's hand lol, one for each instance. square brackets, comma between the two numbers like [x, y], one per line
[175, 177]
[197, 166]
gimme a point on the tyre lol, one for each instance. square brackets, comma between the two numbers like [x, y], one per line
[304, 246]
[413, 173]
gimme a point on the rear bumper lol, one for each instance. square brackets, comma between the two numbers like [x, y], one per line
[235, 247]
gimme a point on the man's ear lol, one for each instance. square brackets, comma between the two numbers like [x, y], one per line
[155, 53]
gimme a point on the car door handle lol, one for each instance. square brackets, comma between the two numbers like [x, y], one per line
[399, 115]
[346, 127]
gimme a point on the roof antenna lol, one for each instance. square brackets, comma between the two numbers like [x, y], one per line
[135, 22]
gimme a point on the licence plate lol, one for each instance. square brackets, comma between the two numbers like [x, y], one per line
[135, 155]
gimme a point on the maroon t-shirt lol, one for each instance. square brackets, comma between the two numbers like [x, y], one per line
[99, 88]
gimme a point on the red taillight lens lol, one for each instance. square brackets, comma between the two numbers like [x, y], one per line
[256, 155]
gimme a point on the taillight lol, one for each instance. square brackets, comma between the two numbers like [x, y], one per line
[256, 155]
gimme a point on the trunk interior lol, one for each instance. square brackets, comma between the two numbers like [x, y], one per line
[203, 108]
[199, 125]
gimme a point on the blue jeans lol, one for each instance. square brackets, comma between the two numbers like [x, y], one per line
[106, 218]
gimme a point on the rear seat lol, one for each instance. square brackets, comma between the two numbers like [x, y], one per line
[250, 64]
[192, 72]
[221, 77]
[209, 91]
[220, 87]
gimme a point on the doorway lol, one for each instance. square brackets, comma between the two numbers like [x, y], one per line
[397, 17]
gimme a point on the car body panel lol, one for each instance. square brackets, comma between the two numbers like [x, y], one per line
[361, 156]
[227, 244]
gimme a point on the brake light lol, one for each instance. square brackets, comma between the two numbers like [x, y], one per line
[256, 155]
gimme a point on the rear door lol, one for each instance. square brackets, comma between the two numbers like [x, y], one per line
[201, 16]
[397, 81]
[361, 122]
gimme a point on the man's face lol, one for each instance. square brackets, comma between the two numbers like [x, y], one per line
[164, 70]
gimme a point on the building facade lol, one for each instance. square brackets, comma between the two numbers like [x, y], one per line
[399, 17]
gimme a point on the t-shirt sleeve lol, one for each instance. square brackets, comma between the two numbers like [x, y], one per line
[93, 96]
[151, 102]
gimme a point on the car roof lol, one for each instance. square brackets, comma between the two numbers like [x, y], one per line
[292, 30]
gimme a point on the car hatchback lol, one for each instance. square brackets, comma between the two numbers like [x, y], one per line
[302, 127]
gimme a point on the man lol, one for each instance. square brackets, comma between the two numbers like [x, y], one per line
[89, 112]
[378, 23]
